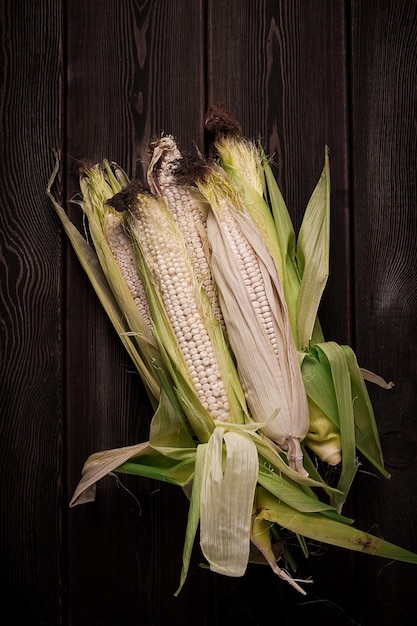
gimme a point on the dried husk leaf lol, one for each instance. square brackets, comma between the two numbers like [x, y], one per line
[227, 495]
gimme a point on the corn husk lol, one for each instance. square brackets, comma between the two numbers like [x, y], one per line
[242, 484]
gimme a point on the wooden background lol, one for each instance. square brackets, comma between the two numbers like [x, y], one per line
[98, 78]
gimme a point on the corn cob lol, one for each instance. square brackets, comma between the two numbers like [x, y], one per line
[99, 187]
[256, 318]
[99, 183]
[186, 210]
[189, 326]
[242, 161]
[323, 437]
[239, 156]
[122, 248]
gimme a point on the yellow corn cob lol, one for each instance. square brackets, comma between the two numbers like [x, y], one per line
[186, 210]
[199, 348]
[256, 317]
[323, 436]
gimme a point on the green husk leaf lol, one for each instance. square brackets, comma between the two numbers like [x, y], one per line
[341, 381]
[269, 452]
[227, 496]
[94, 271]
[287, 266]
[367, 437]
[102, 463]
[319, 386]
[318, 383]
[320, 528]
[283, 224]
[313, 256]
[289, 492]
[193, 513]
[159, 467]
[169, 433]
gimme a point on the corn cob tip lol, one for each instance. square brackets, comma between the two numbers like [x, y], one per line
[168, 140]
[161, 145]
[327, 450]
[169, 176]
[168, 165]
[334, 459]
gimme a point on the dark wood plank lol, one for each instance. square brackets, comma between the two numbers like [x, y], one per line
[385, 227]
[134, 70]
[289, 68]
[32, 461]
[289, 87]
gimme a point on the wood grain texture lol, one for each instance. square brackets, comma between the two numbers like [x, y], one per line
[134, 70]
[281, 67]
[299, 74]
[31, 428]
[384, 103]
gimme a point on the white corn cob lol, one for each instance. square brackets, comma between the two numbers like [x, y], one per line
[256, 317]
[186, 211]
[191, 319]
[100, 185]
[244, 164]
[122, 248]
